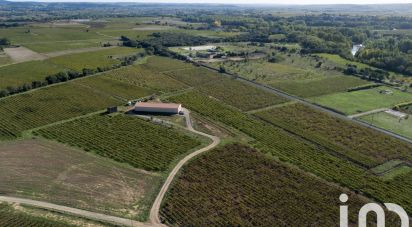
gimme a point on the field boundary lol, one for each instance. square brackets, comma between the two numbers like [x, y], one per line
[154, 212]
[74, 211]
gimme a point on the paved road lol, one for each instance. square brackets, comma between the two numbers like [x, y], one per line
[313, 105]
[75, 212]
[154, 212]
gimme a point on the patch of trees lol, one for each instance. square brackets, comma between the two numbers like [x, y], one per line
[393, 54]
[67, 75]
[377, 75]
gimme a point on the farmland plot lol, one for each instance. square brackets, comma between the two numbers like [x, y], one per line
[305, 154]
[94, 59]
[48, 105]
[13, 218]
[363, 100]
[142, 76]
[239, 186]
[66, 176]
[240, 95]
[125, 139]
[19, 74]
[365, 145]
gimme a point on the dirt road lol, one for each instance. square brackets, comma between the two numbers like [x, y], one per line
[75, 212]
[154, 212]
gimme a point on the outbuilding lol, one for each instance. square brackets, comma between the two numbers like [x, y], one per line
[153, 107]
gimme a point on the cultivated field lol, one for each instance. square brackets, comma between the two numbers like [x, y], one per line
[295, 75]
[391, 123]
[94, 59]
[126, 139]
[293, 149]
[141, 75]
[240, 95]
[239, 186]
[358, 143]
[11, 217]
[48, 105]
[70, 177]
[105, 85]
[19, 74]
[363, 100]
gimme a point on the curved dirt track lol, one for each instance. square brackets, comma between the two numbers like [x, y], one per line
[75, 212]
[154, 212]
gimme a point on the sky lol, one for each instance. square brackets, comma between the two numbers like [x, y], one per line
[283, 2]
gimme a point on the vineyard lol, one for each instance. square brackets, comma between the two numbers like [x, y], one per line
[11, 218]
[238, 186]
[162, 64]
[125, 139]
[195, 76]
[142, 76]
[94, 59]
[240, 95]
[48, 105]
[107, 86]
[359, 142]
[305, 154]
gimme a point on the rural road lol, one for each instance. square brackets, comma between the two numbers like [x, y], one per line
[367, 113]
[75, 212]
[154, 212]
[307, 103]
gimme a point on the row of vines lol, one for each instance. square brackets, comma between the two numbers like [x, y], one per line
[306, 155]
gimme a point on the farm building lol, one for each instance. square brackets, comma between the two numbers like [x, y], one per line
[152, 107]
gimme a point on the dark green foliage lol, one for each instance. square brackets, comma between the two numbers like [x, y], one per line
[127, 139]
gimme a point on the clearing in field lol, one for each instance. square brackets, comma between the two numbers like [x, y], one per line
[401, 126]
[358, 143]
[70, 177]
[238, 186]
[363, 100]
[22, 54]
[297, 150]
[123, 138]
[18, 74]
[94, 59]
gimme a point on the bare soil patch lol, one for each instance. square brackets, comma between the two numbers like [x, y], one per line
[48, 171]
[22, 54]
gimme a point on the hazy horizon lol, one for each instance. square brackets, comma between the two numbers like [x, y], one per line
[281, 2]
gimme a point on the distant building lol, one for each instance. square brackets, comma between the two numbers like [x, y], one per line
[152, 107]
[112, 109]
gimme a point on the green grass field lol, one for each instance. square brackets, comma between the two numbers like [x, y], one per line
[363, 100]
[295, 75]
[94, 59]
[126, 139]
[17, 74]
[47, 47]
[391, 123]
